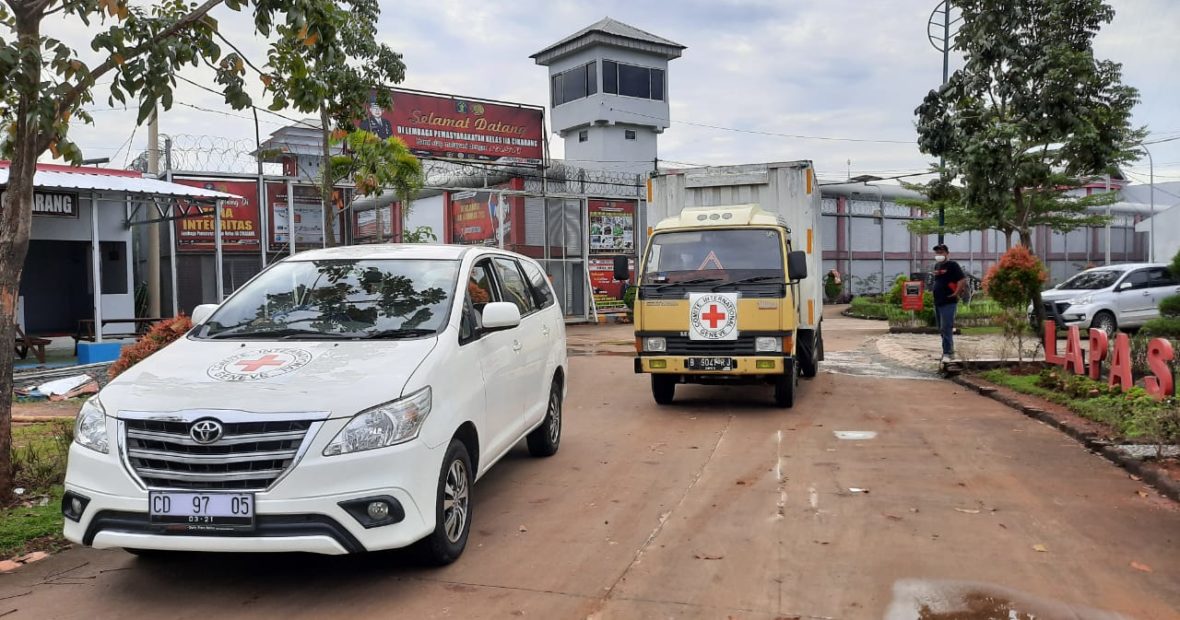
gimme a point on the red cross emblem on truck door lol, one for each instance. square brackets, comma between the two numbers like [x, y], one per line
[713, 316]
[260, 363]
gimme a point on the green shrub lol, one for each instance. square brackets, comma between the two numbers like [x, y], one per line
[1164, 327]
[1170, 307]
[870, 307]
[629, 297]
[1015, 278]
[833, 286]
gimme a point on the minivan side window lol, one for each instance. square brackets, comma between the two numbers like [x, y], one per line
[1160, 277]
[1137, 279]
[542, 292]
[481, 286]
[516, 290]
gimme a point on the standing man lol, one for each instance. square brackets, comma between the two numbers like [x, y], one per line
[949, 281]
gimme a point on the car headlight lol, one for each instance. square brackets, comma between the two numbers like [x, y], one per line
[1082, 301]
[768, 344]
[384, 425]
[90, 430]
[655, 344]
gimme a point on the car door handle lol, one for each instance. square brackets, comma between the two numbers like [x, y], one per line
[516, 346]
[545, 330]
[1146, 293]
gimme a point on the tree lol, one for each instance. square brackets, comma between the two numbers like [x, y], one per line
[374, 164]
[1031, 113]
[341, 83]
[44, 84]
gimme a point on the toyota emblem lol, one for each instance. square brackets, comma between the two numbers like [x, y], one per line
[205, 431]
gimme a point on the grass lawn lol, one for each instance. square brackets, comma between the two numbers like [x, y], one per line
[1134, 415]
[39, 453]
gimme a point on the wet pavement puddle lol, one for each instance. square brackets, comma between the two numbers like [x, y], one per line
[862, 364]
[964, 600]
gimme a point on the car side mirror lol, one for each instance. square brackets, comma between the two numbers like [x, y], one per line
[202, 313]
[500, 315]
[622, 269]
[1125, 286]
[797, 265]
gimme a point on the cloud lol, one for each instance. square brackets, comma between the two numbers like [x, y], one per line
[839, 68]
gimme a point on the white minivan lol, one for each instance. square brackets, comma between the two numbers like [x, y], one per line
[344, 400]
[1111, 297]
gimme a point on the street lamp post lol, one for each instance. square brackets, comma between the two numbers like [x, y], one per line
[938, 31]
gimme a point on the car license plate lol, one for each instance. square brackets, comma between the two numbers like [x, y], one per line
[202, 509]
[710, 363]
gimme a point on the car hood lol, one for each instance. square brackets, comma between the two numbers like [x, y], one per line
[337, 377]
[1068, 294]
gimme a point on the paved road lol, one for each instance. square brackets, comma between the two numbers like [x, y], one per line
[718, 507]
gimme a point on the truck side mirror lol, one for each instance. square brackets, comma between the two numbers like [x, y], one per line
[797, 265]
[622, 269]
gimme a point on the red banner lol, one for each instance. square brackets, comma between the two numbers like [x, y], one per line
[450, 127]
[239, 219]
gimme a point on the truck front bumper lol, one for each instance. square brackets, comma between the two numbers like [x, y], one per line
[745, 365]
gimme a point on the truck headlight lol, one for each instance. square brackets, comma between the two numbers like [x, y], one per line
[90, 430]
[384, 425]
[768, 344]
[656, 344]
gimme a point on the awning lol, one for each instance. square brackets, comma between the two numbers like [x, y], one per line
[71, 178]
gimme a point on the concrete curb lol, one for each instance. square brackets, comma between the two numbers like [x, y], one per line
[1150, 474]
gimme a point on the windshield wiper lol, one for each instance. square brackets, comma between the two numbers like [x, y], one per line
[262, 333]
[751, 280]
[660, 287]
[394, 334]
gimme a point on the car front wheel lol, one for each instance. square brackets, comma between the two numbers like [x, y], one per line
[1106, 322]
[452, 522]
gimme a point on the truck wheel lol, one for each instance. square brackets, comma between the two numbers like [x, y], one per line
[807, 352]
[663, 389]
[784, 386]
[546, 438]
[452, 516]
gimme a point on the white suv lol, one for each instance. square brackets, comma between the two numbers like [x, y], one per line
[342, 401]
[1112, 297]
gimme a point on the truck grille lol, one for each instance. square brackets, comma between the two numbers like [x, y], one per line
[681, 345]
[247, 456]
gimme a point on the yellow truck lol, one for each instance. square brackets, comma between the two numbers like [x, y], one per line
[729, 287]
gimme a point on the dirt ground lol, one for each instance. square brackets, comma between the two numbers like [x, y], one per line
[721, 506]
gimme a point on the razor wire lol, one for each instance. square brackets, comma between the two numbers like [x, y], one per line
[206, 154]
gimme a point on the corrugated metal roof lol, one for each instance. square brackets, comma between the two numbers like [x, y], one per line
[51, 177]
[614, 28]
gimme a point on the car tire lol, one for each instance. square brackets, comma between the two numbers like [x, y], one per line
[1106, 322]
[452, 521]
[663, 389]
[546, 438]
[785, 386]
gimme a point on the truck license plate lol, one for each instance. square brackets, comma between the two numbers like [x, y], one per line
[710, 363]
[202, 509]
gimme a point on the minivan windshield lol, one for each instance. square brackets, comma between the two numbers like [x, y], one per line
[329, 299]
[1092, 280]
[714, 255]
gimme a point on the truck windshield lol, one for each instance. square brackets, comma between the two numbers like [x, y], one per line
[371, 299]
[721, 255]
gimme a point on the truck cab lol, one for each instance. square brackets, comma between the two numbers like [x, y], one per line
[719, 303]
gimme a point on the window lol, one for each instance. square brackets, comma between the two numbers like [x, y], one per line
[516, 290]
[657, 84]
[557, 95]
[114, 267]
[481, 287]
[573, 84]
[1160, 277]
[610, 77]
[1137, 279]
[633, 81]
[542, 291]
[584, 135]
[468, 322]
[628, 134]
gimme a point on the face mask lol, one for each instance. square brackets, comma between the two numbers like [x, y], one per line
[939, 258]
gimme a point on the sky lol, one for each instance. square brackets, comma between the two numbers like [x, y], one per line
[851, 69]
